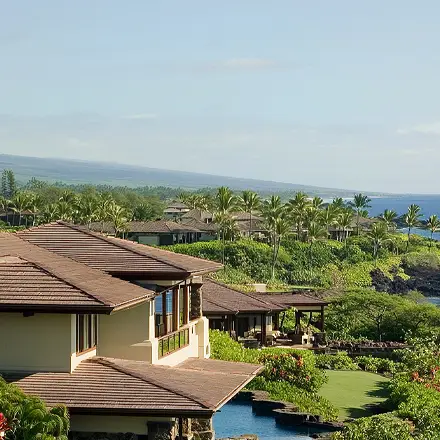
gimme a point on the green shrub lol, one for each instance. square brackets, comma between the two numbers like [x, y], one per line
[251, 257]
[377, 365]
[223, 347]
[294, 369]
[29, 418]
[381, 427]
[305, 401]
[339, 361]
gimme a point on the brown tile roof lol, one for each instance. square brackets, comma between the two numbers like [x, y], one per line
[201, 226]
[135, 387]
[198, 214]
[114, 255]
[219, 298]
[150, 227]
[244, 216]
[287, 300]
[32, 278]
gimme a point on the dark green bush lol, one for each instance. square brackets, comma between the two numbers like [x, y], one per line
[339, 361]
[381, 427]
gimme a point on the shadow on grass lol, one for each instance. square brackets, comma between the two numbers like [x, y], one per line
[380, 391]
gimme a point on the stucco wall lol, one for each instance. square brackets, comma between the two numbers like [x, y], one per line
[125, 334]
[112, 424]
[36, 343]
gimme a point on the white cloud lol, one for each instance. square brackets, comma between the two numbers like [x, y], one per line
[141, 116]
[429, 128]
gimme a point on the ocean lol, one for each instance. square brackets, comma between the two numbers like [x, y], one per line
[429, 205]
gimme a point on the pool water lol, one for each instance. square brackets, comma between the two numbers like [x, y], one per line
[237, 418]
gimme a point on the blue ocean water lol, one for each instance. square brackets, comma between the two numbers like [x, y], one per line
[428, 204]
[237, 418]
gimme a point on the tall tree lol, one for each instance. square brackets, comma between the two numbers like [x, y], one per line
[86, 209]
[378, 235]
[317, 202]
[225, 200]
[389, 217]
[20, 203]
[278, 225]
[315, 232]
[9, 184]
[360, 202]
[412, 219]
[329, 216]
[344, 222]
[249, 202]
[119, 217]
[297, 207]
[433, 224]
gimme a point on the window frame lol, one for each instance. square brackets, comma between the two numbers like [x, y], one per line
[86, 333]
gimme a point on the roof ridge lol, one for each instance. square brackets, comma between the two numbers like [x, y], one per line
[106, 362]
[116, 242]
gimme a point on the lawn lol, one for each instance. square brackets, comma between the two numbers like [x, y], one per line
[351, 391]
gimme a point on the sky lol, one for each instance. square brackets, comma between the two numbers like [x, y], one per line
[339, 93]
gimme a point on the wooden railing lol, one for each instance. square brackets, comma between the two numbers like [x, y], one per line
[173, 341]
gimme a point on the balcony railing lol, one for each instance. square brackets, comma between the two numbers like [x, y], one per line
[173, 341]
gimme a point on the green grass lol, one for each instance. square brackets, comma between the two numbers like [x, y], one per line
[350, 391]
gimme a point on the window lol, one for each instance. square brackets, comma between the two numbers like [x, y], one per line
[86, 332]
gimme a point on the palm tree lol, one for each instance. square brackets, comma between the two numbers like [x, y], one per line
[20, 203]
[87, 209]
[378, 235]
[315, 231]
[317, 202]
[389, 217]
[50, 213]
[225, 200]
[65, 210]
[249, 202]
[344, 221]
[338, 203]
[4, 206]
[36, 205]
[278, 225]
[119, 217]
[105, 201]
[328, 216]
[412, 219]
[297, 208]
[433, 224]
[360, 203]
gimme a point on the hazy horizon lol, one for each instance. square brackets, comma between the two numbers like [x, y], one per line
[337, 95]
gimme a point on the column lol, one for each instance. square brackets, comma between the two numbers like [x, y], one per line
[196, 301]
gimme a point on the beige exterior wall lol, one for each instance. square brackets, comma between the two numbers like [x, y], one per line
[36, 343]
[112, 424]
[126, 334]
[198, 346]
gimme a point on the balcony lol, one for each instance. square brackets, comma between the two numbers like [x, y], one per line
[173, 341]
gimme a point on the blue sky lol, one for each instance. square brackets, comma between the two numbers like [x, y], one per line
[332, 93]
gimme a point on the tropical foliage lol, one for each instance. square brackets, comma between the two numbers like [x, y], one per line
[27, 418]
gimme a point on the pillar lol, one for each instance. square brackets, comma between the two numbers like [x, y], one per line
[196, 301]
[162, 430]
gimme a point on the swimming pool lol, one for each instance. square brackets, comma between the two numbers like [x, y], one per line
[237, 418]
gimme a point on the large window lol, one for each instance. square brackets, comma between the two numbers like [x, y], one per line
[86, 332]
[171, 310]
